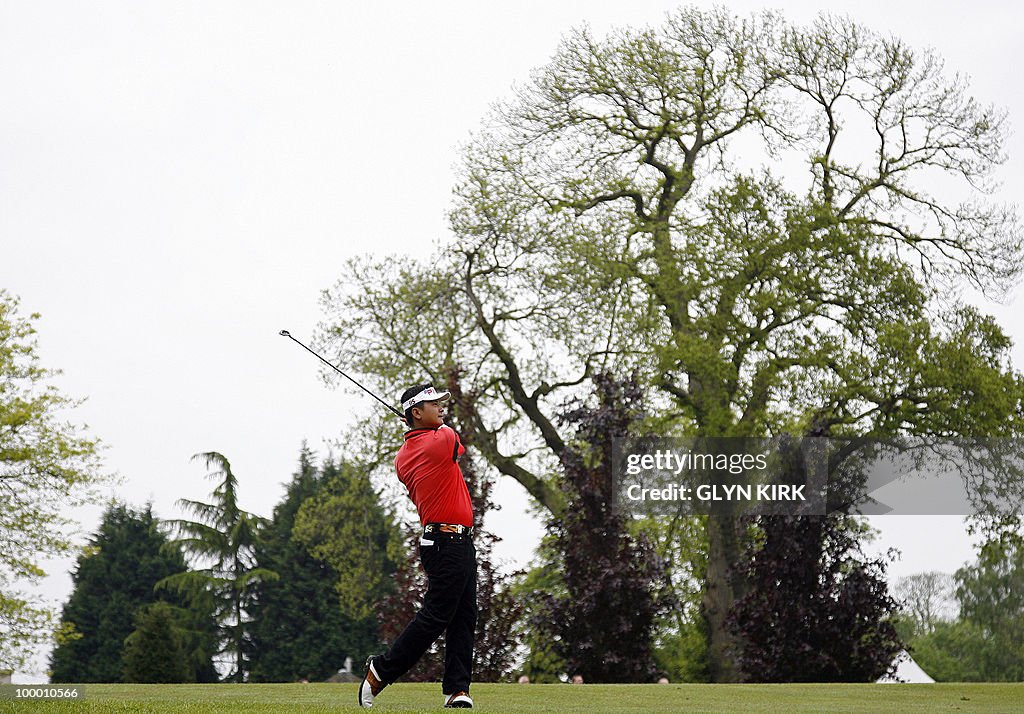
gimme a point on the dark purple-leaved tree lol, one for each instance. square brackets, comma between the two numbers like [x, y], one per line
[816, 609]
[615, 583]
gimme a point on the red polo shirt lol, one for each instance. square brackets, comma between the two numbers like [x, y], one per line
[428, 465]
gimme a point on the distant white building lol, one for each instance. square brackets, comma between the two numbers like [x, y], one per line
[345, 674]
[907, 671]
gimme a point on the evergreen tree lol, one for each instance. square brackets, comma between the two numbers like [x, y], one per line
[345, 528]
[222, 539]
[155, 651]
[197, 625]
[298, 628]
[114, 578]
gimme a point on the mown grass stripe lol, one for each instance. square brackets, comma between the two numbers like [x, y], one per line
[522, 699]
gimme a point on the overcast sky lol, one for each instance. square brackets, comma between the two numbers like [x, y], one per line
[180, 180]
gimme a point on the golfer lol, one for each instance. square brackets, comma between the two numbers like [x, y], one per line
[428, 465]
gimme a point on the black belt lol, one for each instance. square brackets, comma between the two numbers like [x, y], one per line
[447, 529]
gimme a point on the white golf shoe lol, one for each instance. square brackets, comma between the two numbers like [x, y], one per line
[371, 685]
[459, 700]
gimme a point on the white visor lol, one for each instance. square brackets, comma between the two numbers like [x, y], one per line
[427, 395]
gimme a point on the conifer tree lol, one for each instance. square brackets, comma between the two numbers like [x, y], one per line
[298, 628]
[347, 528]
[155, 651]
[113, 580]
[222, 541]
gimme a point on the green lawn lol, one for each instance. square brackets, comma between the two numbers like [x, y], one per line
[514, 698]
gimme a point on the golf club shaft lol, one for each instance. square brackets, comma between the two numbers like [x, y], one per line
[285, 333]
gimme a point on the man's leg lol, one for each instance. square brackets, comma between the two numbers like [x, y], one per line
[461, 633]
[444, 563]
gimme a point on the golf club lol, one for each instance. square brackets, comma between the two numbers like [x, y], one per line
[285, 333]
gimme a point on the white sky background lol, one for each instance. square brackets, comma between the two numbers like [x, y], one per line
[179, 181]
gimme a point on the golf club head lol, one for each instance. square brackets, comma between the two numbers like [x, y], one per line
[285, 333]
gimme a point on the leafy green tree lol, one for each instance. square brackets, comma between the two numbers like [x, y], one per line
[113, 580]
[681, 641]
[543, 663]
[986, 642]
[47, 466]
[953, 652]
[222, 541]
[298, 628]
[154, 653]
[614, 215]
[347, 527]
[991, 597]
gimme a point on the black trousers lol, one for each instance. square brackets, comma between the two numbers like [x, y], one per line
[449, 607]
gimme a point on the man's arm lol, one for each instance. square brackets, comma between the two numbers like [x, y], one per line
[453, 444]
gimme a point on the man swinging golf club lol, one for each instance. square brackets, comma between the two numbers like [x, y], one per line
[428, 465]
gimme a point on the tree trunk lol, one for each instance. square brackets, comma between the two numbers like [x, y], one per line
[721, 590]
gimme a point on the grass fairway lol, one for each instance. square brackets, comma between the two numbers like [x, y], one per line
[515, 698]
